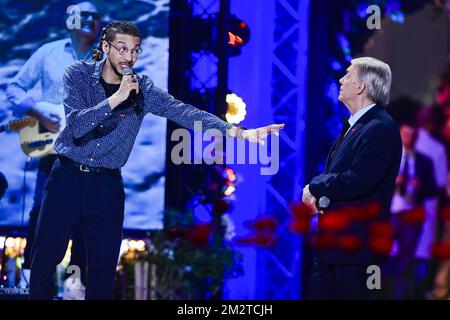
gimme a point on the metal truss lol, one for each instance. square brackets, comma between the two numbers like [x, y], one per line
[281, 265]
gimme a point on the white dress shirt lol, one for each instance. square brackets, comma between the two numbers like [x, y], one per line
[399, 202]
[357, 115]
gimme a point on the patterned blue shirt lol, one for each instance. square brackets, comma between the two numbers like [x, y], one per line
[97, 136]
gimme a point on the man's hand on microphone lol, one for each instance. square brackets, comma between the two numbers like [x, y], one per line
[306, 194]
[309, 199]
[128, 84]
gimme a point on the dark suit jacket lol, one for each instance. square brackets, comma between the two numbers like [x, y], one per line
[363, 170]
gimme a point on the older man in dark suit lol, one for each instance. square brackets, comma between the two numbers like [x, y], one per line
[360, 173]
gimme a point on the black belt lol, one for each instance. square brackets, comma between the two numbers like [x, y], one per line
[87, 169]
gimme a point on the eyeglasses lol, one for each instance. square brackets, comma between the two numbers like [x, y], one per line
[124, 50]
[86, 15]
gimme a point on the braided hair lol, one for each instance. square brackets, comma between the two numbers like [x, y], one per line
[109, 34]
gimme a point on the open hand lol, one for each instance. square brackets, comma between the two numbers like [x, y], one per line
[258, 134]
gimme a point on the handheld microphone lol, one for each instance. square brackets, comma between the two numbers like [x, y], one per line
[135, 99]
[324, 202]
[128, 72]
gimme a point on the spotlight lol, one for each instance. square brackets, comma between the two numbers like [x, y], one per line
[238, 36]
[236, 109]
[231, 174]
[229, 190]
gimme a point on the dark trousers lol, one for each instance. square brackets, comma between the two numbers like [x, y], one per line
[96, 202]
[44, 167]
[329, 281]
[78, 253]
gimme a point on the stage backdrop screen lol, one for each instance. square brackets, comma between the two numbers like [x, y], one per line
[27, 25]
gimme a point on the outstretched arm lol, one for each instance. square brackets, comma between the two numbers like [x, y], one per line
[256, 135]
[161, 103]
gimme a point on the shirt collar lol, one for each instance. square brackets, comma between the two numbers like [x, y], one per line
[357, 115]
[98, 69]
[68, 44]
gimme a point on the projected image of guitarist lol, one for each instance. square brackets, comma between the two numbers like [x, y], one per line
[46, 66]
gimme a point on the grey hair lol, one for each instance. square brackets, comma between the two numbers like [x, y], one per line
[377, 76]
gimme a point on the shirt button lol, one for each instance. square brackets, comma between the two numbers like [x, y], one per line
[101, 126]
[98, 144]
[106, 114]
[92, 159]
[93, 123]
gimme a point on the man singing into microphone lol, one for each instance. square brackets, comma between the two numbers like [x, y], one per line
[361, 170]
[104, 110]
